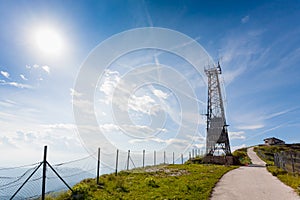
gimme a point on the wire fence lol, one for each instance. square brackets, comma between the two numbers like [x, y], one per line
[288, 161]
[12, 178]
[25, 182]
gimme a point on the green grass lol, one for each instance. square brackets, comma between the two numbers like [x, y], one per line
[192, 181]
[290, 179]
[242, 156]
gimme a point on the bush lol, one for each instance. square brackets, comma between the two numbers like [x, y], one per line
[81, 191]
[120, 185]
[151, 182]
[242, 156]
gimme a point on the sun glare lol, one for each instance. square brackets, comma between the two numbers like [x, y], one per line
[48, 41]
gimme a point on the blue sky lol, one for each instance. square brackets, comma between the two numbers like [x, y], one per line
[257, 43]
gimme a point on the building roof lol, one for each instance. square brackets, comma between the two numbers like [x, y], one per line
[273, 138]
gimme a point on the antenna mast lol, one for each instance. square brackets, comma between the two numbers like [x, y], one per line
[217, 134]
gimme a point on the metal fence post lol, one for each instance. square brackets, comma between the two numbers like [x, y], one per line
[44, 163]
[128, 157]
[44, 173]
[98, 166]
[284, 160]
[173, 159]
[154, 158]
[117, 158]
[143, 158]
[192, 153]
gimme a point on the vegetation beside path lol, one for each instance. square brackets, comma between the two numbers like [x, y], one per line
[188, 181]
[266, 153]
[242, 156]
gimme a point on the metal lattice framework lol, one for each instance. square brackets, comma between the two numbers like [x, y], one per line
[217, 134]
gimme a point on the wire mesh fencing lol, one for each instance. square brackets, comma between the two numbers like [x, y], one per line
[25, 182]
[12, 178]
[288, 161]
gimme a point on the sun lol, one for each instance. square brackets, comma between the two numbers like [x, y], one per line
[49, 41]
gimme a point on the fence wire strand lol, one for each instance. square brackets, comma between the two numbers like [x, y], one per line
[72, 172]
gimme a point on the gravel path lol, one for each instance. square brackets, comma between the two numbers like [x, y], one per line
[252, 182]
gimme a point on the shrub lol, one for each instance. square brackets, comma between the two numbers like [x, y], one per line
[242, 156]
[81, 191]
[151, 182]
[120, 185]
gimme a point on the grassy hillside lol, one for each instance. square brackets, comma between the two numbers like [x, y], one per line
[242, 156]
[191, 181]
[266, 153]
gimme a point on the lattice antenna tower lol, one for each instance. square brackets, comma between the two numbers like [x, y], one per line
[217, 134]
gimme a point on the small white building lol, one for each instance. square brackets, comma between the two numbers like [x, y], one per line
[273, 141]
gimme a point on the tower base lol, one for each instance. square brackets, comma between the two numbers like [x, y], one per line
[220, 160]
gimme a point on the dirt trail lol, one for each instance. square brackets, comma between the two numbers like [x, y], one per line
[252, 182]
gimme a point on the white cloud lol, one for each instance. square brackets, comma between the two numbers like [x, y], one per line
[59, 136]
[177, 141]
[111, 79]
[5, 74]
[196, 137]
[109, 127]
[245, 19]
[15, 84]
[36, 66]
[267, 130]
[46, 68]
[74, 93]
[160, 94]
[198, 146]
[276, 114]
[163, 130]
[195, 141]
[60, 126]
[86, 106]
[144, 104]
[6, 142]
[237, 135]
[250, 127]
[159, 140]
[7, 103]
[229, 76]
[23, 77]
[257, 121]
[233, 148]
[18, 85]
[149, 19]
[237, 53]
[138, 130]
